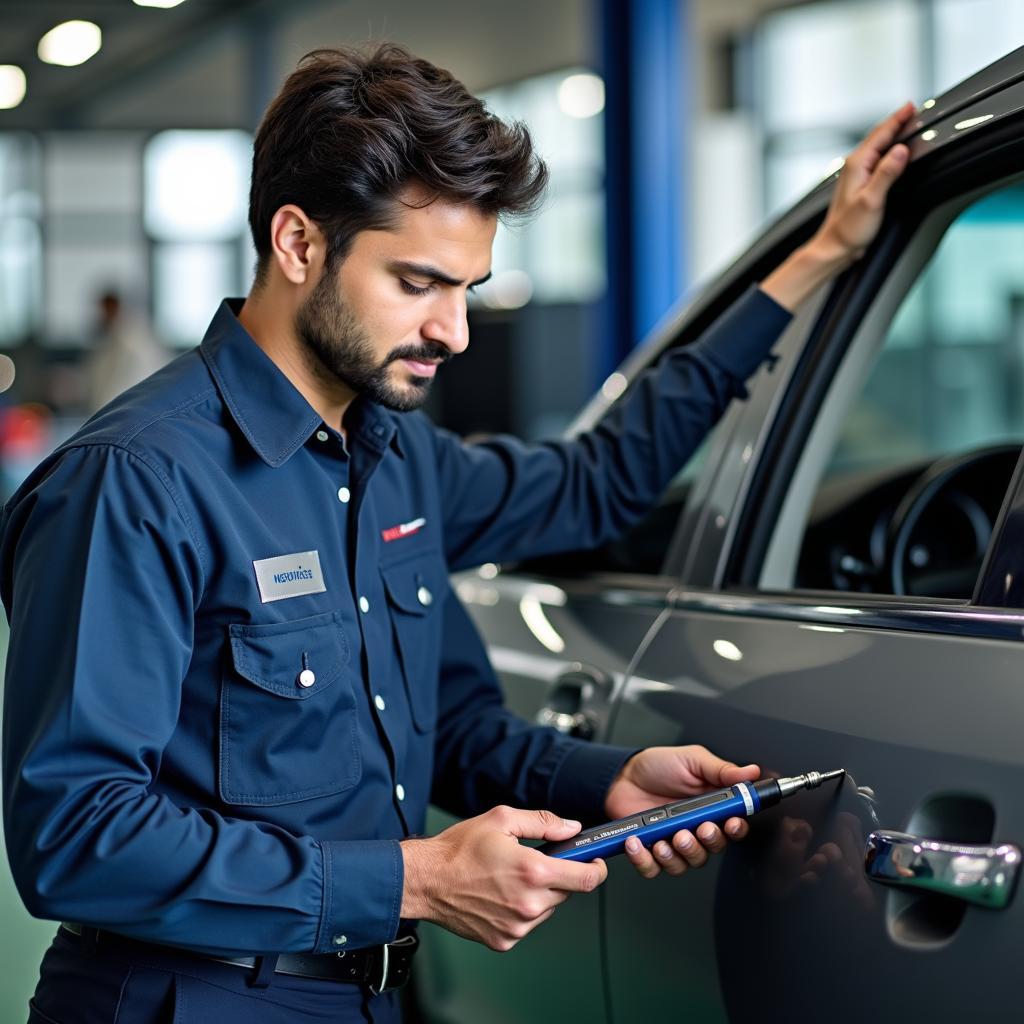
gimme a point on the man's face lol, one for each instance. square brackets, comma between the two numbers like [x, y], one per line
[395, 309]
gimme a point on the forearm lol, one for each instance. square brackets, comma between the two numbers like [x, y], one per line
[805, 270]
[505, 500]
[853, 218]
[500, 758]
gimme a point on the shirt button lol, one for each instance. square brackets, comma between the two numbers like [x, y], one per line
[307, 677]
[344, 494]
[322, 435]
[340, 940]
[424, 596]
[400, 791]
[379, 701]
[364, 605]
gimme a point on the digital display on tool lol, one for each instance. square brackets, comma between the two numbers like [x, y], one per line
[739, 801]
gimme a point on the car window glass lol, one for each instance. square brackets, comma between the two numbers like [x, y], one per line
[902, 477]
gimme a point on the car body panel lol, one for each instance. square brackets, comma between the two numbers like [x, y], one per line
[899, 711]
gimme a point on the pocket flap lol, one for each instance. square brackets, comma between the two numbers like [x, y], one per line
[294, 659]
[414, 586]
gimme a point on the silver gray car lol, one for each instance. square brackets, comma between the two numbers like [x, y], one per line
[835, 580]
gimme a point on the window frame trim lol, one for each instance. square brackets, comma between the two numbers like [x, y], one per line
[942, 616]
[981, 159]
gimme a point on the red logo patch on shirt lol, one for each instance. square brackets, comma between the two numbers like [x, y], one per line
[403, 530]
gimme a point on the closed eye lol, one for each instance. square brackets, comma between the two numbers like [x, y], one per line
[411, 289]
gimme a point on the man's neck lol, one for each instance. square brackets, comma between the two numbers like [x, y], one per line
[270, 320]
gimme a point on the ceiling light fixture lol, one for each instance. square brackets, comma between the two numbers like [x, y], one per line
[12, 86]
[70, 43]
[162, 4]
[581, 95]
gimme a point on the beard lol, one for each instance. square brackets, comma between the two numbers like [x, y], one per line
[340, 348]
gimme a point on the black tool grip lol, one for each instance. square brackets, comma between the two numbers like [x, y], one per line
[768, 792]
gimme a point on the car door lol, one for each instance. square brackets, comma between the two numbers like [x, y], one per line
[851, 597]
[563, 634]
[560, 649]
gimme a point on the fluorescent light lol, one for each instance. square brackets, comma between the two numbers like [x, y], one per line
[197, 184]
[163, 4]
[581, 95]
[12, 86]
[70, 43]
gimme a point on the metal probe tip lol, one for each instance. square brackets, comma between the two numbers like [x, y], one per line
[812, 780]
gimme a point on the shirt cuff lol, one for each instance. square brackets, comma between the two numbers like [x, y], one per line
[363, 882]
[739, 341]
[581, 782]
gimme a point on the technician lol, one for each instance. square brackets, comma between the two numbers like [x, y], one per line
[237, 673]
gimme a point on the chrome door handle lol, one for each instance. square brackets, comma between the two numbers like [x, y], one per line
[577, 724]
[984, 875]
[575, 702]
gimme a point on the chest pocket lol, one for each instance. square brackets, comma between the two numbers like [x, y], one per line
[416, 590]
[287, 713]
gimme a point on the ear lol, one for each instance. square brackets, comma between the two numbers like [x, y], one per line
[298, 245]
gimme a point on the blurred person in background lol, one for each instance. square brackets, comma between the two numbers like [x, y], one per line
[237, 672]
[124, 351]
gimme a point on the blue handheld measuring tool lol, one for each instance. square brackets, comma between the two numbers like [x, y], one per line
[739, 801]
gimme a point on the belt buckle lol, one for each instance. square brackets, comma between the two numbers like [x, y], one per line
[391, 964]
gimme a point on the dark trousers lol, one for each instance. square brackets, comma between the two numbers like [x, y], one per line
[81, 983]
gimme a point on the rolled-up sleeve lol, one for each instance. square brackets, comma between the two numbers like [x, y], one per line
[101, 573]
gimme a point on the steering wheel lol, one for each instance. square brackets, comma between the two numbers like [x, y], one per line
[939, 533]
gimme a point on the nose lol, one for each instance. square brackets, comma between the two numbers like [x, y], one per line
[447, 322]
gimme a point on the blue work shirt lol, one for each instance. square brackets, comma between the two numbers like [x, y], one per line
[229, 622]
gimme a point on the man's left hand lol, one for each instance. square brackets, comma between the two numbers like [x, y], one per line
[659, 775]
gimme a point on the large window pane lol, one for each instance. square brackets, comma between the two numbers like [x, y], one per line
[77, 274]
[21, 254]
[190, 279]
[94, 241]
[197, 185]
[839, 63]
[95, 172]
[972, 33]
[559, 255]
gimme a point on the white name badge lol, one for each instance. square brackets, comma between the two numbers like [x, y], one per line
[289, 576]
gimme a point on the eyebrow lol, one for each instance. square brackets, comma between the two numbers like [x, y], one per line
[425, 270]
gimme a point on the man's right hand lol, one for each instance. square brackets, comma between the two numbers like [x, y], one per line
[477, 880]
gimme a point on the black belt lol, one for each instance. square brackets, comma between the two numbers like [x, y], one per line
[380, 968]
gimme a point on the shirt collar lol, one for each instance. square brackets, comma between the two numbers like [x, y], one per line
[269, 410]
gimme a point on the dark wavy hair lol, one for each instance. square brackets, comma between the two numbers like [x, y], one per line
[350, 129]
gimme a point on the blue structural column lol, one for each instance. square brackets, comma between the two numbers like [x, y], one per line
[643, 64]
